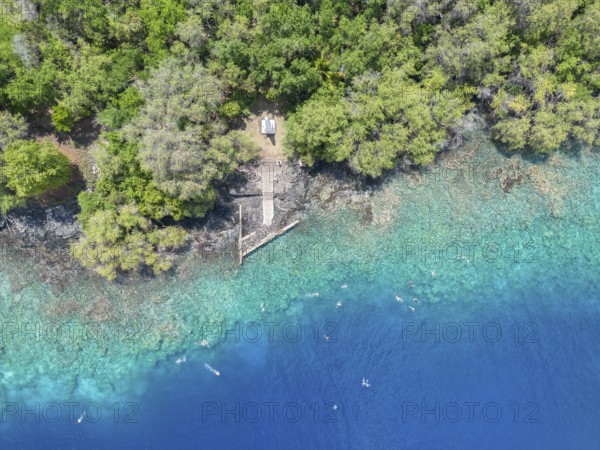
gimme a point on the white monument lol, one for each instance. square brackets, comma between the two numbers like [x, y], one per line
[267, 126]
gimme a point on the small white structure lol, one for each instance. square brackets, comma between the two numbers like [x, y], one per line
[267, 126]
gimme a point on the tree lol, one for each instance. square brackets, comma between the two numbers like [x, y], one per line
[478, 48]
[122, 239]
[62, 118]
[182, 138]
[12, 128]
[382, 117]
[513, 132]
[31, 88]
[96, 79]
[123, 181]
[160, 20]
[26, 50]
[121, 109]
[283, 46]
[32, 167]
[316, 130]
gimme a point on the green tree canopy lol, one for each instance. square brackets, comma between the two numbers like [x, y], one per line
[382, 117]
[122, 240]
[32, 167]
[182, 139]
[12, 128]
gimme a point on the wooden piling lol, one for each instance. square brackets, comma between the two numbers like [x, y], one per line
[270, 238]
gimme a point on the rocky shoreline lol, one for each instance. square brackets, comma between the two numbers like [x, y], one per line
[42, 233]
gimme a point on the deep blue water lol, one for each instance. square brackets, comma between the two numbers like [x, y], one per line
[502, 351]
[464, 386]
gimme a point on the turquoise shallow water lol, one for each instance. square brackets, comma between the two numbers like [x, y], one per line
[523, 262]
[532, 386]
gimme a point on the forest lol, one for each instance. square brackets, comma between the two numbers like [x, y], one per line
[363, 83]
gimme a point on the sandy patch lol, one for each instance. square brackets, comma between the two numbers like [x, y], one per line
[66, 148]
[271, 147]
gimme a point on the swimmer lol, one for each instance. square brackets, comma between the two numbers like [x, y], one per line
[411, 308]
[416, 300]
[365, 383]
[210, 368]
[344, 286]
[411, 284]
[433, 274]
[326, 338]
[335, 407]
[338, 304]
[399, 299]
[204, 343]
[262, 307]
[81, 417]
